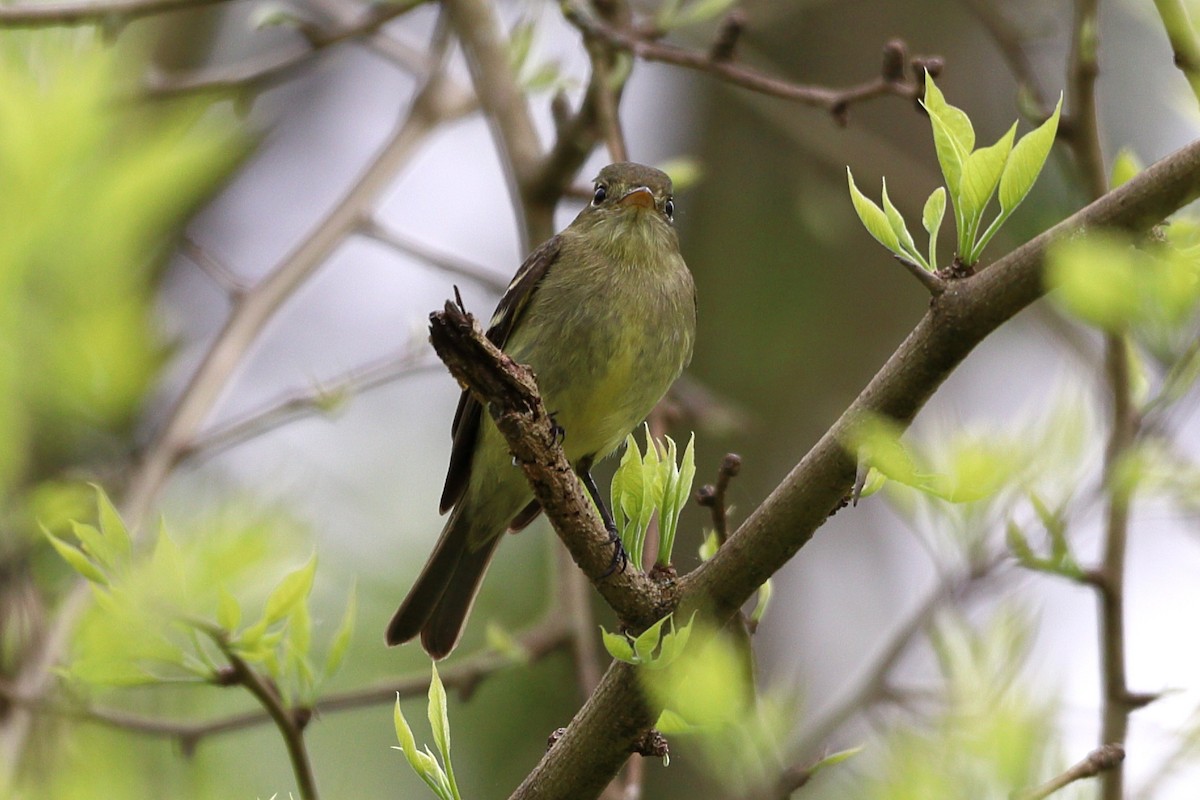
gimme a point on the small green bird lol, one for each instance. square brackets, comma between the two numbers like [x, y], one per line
[605, 315]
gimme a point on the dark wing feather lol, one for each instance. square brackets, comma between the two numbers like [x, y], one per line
[465, 429]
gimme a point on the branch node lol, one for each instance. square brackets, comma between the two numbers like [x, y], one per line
[895, 58]
[724, 46]
[653, 745]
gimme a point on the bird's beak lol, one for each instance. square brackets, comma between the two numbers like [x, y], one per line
[641, 196]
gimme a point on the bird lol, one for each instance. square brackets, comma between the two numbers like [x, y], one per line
[604, 313]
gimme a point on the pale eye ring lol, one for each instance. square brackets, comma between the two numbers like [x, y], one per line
[669, 208]
[600, 195]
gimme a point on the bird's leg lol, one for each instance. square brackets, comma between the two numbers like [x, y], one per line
[557, 431]
[620, 558]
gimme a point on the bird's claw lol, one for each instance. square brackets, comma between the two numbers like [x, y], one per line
[620, 559]
[557, 431]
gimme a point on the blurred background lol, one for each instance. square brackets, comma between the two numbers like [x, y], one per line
[798, 308]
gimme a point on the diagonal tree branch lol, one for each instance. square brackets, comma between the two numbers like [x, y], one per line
[602, 735]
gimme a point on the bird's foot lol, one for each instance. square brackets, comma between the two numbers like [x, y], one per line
[620, 559]
[557, 431]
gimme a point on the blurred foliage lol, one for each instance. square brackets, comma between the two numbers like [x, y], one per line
[712, 710]
[94, 187]
[989, 738]
[439, 777]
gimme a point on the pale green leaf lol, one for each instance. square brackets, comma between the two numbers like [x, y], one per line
[647, 641]
[94, 544]
[293, 589]
[618, 646]
[762, 602]
[299, 629]
[76, 559]
[708, 548]
[700, 11]
[981, 173]
[907, 246]
[439, 716]
[1026, 162]
[835, 758]
[953, 134]
[931, 219]
[1125, 166]
[873, 218]
[229, 612]
[113, 528]
[341, 638]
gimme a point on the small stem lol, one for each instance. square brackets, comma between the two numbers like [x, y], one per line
[1101, 760]
[290, 726]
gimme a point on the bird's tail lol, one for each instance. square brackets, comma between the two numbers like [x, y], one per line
[441, 599]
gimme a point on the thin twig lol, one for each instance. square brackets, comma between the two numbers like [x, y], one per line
[1109, 578]
[836, 101]
[536, 643]
[290, 722]
[1102, 759]
[874, 685]
[447, 263]
[276, 65]
[217, 271]
[51, 14]
[324, 398]
[713, 497]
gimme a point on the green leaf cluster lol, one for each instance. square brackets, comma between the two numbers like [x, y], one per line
[150, 608]
[658, 482]
[438, 777]
[972, 175]
[1106, 279]
[95, 187]
[990, 738]
[709, 702]
[968, 468]
[652, 648]
[1058, 560]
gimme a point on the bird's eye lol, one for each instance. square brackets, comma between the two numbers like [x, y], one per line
[669, 208]
[600, 194]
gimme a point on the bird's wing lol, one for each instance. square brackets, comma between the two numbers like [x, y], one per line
[465, 429]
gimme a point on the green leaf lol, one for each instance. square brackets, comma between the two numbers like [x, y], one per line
[229, 613]
[835, 758]
[76, 559]
[980, 174]
[439, 716]
[931, 219]
[873, 218]
[113, 528]
[422, 763]
[94, 544]
[762, 602]
[673, 644]
[1125, 166]
[701, 11]
[299, 629]
[903, 237]
[618, 646]
[342, 637]
[683, 479]
[648, 640]
[291, 590]
[685, 171]
[708, 548]
[1018, 544]
[1026, 162]
[953, 134]
[520, 43]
